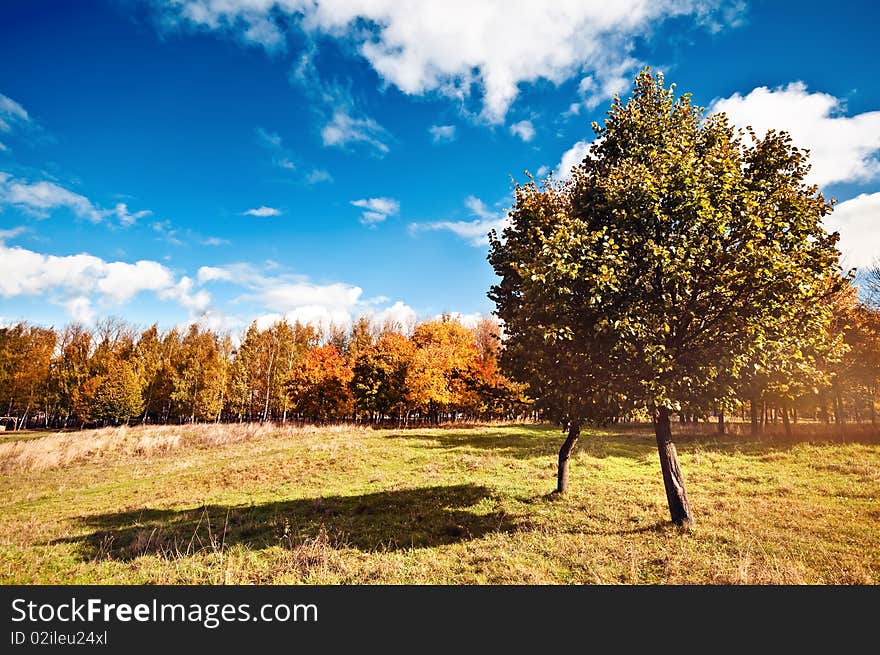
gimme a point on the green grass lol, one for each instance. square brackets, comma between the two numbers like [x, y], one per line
[243, 504]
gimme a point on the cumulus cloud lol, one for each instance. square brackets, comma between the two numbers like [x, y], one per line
[297, 298]
[858, 221]
[442, 133]
[476, 231]
[524, 130]
[571, 158]
[76, 282]
[842, 148]
[494, 47]
[399, 313]
[377, 209]
[263, 211]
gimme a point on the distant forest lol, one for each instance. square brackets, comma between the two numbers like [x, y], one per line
[439, 370]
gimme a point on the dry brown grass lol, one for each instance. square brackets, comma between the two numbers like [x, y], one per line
[64, 448]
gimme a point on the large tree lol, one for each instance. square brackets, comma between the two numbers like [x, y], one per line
[651, 278]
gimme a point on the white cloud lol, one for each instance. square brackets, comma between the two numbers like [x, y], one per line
[494, 46]
[378, 209]
[125, 217]
[75, 282]
[11, 233]
[475, 232]
[80, 309]
[524, 130]
[196, 302]
[468, 320]
[269, 139]
[571, 158]
[858, 221]
[399, 313]
[272, 142]
[611, 77]
[11, 113]
[297, 298]
[442, 133]
[210, 273]
[318, 175]
[214, 241]
[344, 129]
[263, 211]
[843, 148]
[41, 198]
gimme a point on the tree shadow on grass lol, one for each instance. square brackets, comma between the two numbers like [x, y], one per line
[389, 520]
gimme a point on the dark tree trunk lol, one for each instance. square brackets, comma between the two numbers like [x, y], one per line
[673, 480]
[574, 431]
[753, 404]
[721, 422]
[785, 422]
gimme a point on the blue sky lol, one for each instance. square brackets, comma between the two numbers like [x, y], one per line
[226, 160]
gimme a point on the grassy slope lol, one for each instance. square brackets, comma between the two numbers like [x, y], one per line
[230, 504]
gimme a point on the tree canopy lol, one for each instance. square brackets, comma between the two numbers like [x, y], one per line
[677, 254]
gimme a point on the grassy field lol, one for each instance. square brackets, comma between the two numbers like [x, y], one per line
[250, 504]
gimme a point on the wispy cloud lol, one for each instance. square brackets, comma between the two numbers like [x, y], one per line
[475, 232]
[318, 175]
[345, 124]
[40, 199]
[263, 211]
[442, 133]
[11, 114]
[344, 129]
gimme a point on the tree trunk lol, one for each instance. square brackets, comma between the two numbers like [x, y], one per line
[785, 422]
[574, 431]
[838, 405]
[721, 422]
[873, 408]
[753, 405]
[673, 480]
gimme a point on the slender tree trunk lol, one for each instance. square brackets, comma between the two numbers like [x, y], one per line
[574, 431]
[673, 480]
[753, 405]
[873, 408]
[268, 387]
[838, 406]
[721, 422]
[785, 422]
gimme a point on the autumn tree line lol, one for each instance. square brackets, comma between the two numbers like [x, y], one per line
[115, 373]
[441, 370]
